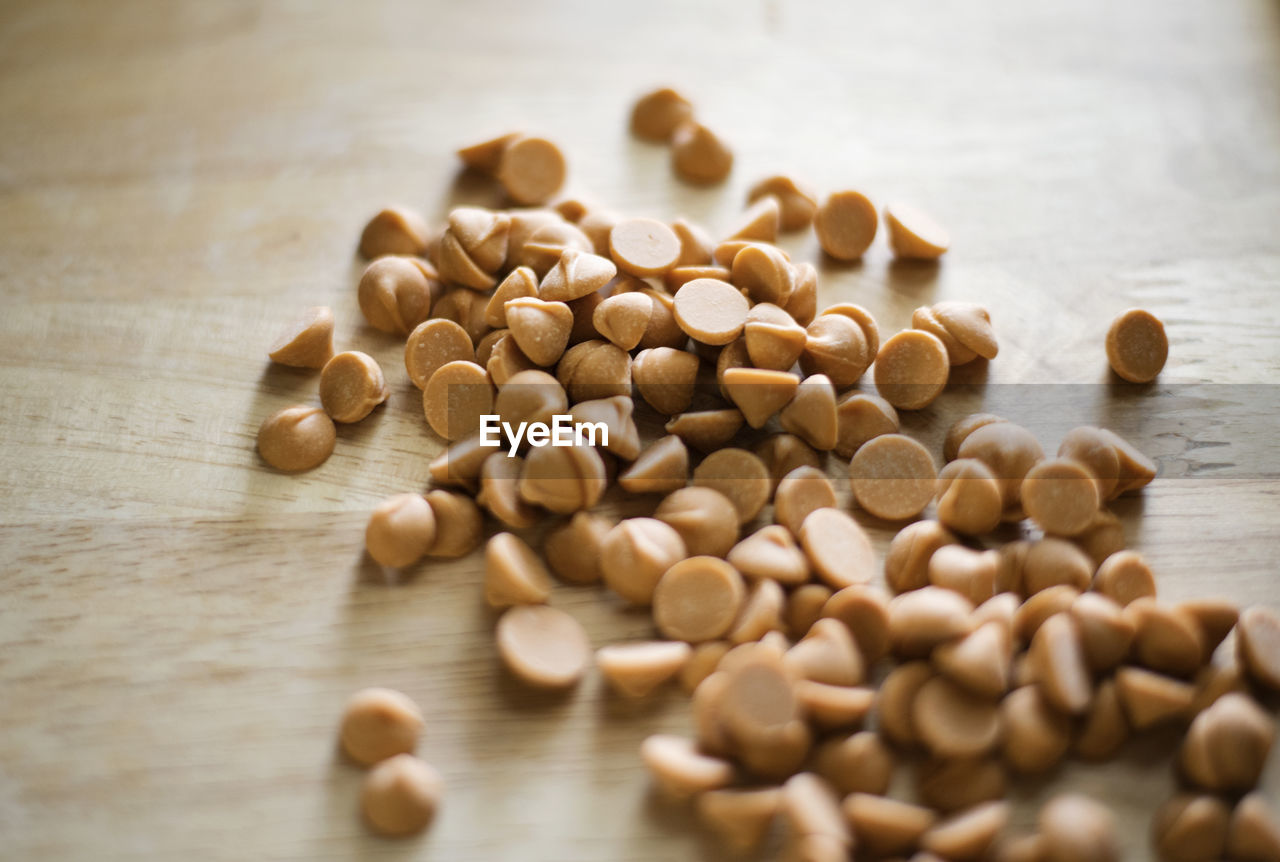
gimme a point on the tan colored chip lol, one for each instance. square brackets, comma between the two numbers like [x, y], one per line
[893, 477]
[351, 385]
[306, 342]
[1191, 827]
[740, 476]
[838, 548]
[952, 721]
[706, 430]
[1151, 698]
[623, 319]
[980, 661]
[846, 224]
[969, 498]
[783, 453]
[1036, 736]
[914, 235]
[296, 438]
[712, 312]
[665, 377]
[636, 669]
[459, 524]
[661, 468]
[543, 646]
[706, 519]
[394, 230]
[859, 418]
[803, 302]
[796, 203]
[680, 769]
[836, 346]
[811, 414]
[911, 369]
[771, 553]
[1057, 661]
[432, 344]
[1061, 495]
[799, 493]
[540, 328]
[759, 393]
[906, 564]
[1137, 346]
[1258, 645]
[465, 307]
[636, 553]
[696, 244]
[897, 698]
[400, 795]
[1106, 634]
[400, 530]
[772, 337]
[763, 272]
[1166, 638]
[573, 548]
[740, 818]
[858, 763]
[455, 398]
[595, 369]
[922, 619]
[1104, 728]
[513, 573]
[563, 479]
[1009, 450]
[962, 428]
[499, 491]
[378, 723]
[760, 220]
[698, 156]
[884, 827]
[864, 609]
[698, 599]
[656, 114]
[644, 247]
[531, 170]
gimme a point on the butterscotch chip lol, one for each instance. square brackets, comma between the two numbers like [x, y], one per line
[833, 707]
[1105, 632]
[1078, 829]
[1216, 617]
[862, 318]
[740, 818]
[636, 669]
[623, 319]
[455, 398]
[846, 224]
[351, 385]
[698, 599]
[783, 453]
[296, 438]
[827, 654]
[895, 703]
[1191, 828]
[466, 308]
[378, 723]
[678, 276]
[661, 468]
[1039, 607]
[459, 524]
[696, 245]
[499, 491]
[837, 347]
[968, 325]
[1104, 727]
[740, 476]
[884, 827]
[967, 835]
[484, 349]
[1001, 608]
[864, 610]
[400, 530]
[772, 337]
[757, 703]
[400, 795]
[956, 784]
[1253, 833]
[759, 393]
[1103, 537]
[1258, 645]
[814, 848]
[543, 646]
[969, 498]
[530, 396]
[893, 477]
[953, 722]
[615, 414]
[563, 479]
[1136, 469]
[837, 547]
[458, 267]
[911, 369]
[705, 518]
[914, 235]
[810, 807]
[595, 226]
[1093, 448]
[921, 619]
[595, 369]
[584, 309]
[770, 553]
[306, 342]
[531, 170]
[801, 492]
[545, 247]
[1227, 745]
[703, 661]
[665, 377]
[482, 234]
[859, 418]
[698, 156]
[796, 204]
[513, 573]
[1057, 661]
[395, 230]
[1215, 680]
[1125, 577]
[520, 282]
[859, 763]
[710, 311]
[1166, 639]
[644, 247]
[1052, 562]
[573, 549]
[1061, 495]
[1150, 698]
[760, 220]
[802, 305]
[706, 430]
[926, 320]
[1036, 736]
[763, 272]
[962, 428]
[761, 613]
[980, 661]
[1009, 450]
[506, 360]
[811, 413]
[1137, 346]
[485, 155]
[540, 328]
[432, 344]
[635, 554]
[656, 115]
[906, 564]
[970, 573]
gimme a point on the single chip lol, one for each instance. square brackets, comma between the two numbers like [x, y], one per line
[893, 477]
[698, 155]
[296, 438]
[710, 311]
[531, 170]
[698, 599]
[656, 115]
[543, 646]
[400, 795]
[401, 530]
[911, 369]
[644, 247]
[351, 385]
[306, 342]
[914, 235]
[846, 224]
[1137, 346]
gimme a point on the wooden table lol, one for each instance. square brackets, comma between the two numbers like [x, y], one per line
[180, 625]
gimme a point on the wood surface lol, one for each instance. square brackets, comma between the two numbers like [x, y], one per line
[180, 625]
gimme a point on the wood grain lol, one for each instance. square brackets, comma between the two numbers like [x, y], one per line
[179, 625]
